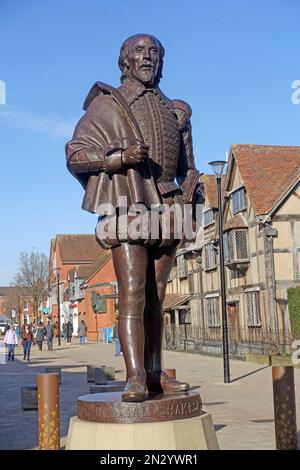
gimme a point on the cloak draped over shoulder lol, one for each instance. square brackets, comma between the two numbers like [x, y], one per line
[106, 128]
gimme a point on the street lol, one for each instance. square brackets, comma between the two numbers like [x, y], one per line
[242, 411]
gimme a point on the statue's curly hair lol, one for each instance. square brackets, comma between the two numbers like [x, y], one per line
[124, 53]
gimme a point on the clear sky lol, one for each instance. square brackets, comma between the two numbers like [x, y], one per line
[234, 61]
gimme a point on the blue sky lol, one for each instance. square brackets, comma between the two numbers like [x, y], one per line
[233, 61]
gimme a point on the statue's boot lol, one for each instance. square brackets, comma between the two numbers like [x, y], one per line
[157, 380]
[135, 390]
[160, 382]
[131, 333]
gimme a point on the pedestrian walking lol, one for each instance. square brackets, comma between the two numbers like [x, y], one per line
[40, 335]
[64, 330]
[69, 332]
[117, 340]
[10, 341]
[49, 335]
[82, 330]
[27, 340]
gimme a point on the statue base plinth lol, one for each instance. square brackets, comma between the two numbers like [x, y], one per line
[166, 422]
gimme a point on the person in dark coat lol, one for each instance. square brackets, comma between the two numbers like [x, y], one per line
[82, 329]
[49, 335]
[40, 335]
[69, 331]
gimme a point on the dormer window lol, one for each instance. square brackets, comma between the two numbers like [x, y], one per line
[238, 200]
[208, 217]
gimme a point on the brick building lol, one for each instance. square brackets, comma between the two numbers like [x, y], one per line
[19, 300]
[84, 270]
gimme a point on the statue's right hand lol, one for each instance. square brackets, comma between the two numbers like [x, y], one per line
[135, 154]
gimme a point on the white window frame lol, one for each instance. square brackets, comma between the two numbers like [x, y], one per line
[241, 200]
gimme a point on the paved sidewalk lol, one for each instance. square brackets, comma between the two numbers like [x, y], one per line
[242, 411]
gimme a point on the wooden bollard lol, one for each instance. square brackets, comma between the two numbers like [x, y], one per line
[48, 412]
[284, 407]
[171, 373]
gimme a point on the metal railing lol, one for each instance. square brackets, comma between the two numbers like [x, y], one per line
[208, 340]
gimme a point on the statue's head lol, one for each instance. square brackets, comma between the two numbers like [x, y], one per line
[141, 58]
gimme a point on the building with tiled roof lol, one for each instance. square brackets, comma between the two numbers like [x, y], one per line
[261, 223]
[77, 258]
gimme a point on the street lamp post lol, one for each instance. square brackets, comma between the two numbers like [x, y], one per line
[58, 305]
[218, 167]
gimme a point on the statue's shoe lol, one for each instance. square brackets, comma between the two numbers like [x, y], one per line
[160, 382]
[135, 390]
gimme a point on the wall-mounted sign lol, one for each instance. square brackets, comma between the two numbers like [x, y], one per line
[98, 303]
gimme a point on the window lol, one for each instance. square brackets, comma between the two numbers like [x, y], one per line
[212, 311]
[25, 305]
[208, 217]
[238, 200]
[252, 308]
[184, 316]
[240, 245]
[72, 290]
[181, 267]
[236, 246]
[209, 257]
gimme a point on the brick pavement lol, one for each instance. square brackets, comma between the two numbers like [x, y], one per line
[242, 410]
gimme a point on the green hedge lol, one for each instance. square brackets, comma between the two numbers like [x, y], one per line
[294, 307]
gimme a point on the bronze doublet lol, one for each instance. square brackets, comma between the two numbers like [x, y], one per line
[159, 127]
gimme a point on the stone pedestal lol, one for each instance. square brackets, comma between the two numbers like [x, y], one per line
[100, 376]
[90, 373]
[110, 373]
[169, 422]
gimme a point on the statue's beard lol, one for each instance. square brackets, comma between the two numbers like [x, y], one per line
[147, 77]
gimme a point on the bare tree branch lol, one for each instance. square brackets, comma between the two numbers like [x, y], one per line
[33, 275]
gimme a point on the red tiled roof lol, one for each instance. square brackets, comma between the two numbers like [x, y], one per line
[83, 248]
[14, 290]
[98, 263]
[266, 171]
[210, 188]
[174, 300]
[86, 271]
[237, 221]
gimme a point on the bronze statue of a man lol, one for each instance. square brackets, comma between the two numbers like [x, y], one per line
[132, 144]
